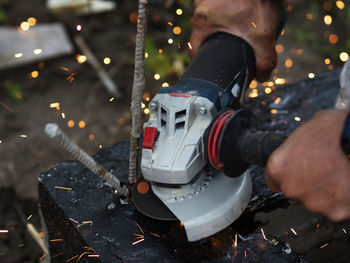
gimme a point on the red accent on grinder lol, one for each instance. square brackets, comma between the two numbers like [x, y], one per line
[149, 137]
[181, 95]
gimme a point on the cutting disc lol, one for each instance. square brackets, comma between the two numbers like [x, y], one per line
[148, 203]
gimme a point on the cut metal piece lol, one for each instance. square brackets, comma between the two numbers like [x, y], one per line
[209, 205]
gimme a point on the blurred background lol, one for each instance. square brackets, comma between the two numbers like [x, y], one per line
[48, 78]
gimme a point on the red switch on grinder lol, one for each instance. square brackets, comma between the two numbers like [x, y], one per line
[149, 137]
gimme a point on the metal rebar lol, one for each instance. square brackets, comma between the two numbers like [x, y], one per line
[55, 133]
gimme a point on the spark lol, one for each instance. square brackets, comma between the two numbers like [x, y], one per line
[63, 115]
[245, 253]
[70, 123]
[63, 188]
[156, 76]
[78, 27]
[235, 243]
[179, 12]
[328, 20]
[160, 51]
[344, 231]
[318, 225]
[29, 217]
[138, 241]
[189, 45]
[254, 25]
[88, 222]
[170, 41]
[153, 234]
[170, 24]
[279, 48]
[5, 106]
[59, 254]
[165, 84]
[143, 105]
[177, 30]
[91, 137]
[2, 231]
[31, 21]
[18, 55]
[43, 256]
[0, 141]
[25, 26]
[111, 99]
[253, 84]
[344, 56]
[309, 16]
[294, 232]
[55, 105]
[324, 245]
[81, 59]
[93, 256]
[146, 111]
[139, 227]
[268, 90]
[333, 39]
[37, 51]
[288, 63]
[23, 136]
[21, 245]
[100, 146]
[327, 61]
[34, 74]
[340, 4]
[311, 75]
[253, 95]
[82, 124]
[263, 234]
[297, 118]
[56, 240]
[273, 111]
[270, 84]
[73, 220]
[280, 81]
[107, 60]
[146, 55]
[72, 258]
[139, 236]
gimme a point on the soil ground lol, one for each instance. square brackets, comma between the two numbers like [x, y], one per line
[85, 99]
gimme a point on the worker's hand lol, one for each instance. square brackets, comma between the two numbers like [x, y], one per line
[311, 167]
[255, 21]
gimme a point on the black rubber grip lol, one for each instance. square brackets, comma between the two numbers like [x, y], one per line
[257, 146]
[220, 59]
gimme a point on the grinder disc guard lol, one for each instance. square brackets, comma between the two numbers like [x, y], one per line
[210, 204]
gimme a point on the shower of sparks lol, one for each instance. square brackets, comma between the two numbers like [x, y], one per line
[254, 25]
[23, 136]
[138, 241]
[63, 188]
[29, 217]
[294, 232]
[5, 106]
[324, 245]
[3, 231]
[263, 234]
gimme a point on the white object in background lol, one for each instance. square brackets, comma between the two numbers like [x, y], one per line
[37, 44]
[80, 7]
[343, 100]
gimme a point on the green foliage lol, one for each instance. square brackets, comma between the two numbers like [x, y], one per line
[13, 90]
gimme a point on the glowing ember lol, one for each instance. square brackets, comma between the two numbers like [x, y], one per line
[23, 136]
[254, 25]
[297, 118]
[63, 188]
[309, 16]
[324, 245]
[70, 123]
[25, 26]
[288, 63]
[133, 18]
[100, 146]
[93, 256]
[18, 55]
[91, 137]
[277, 100]
[280, 81]
[146, 55]
[156, 76]
[146, 111]
[333, 39]
[170, 24]
[81, 59]
[253, 84]
[268, 90]
[340, 4]
[107, 60]
[177, 30]
[34, 74]
[143, 105]
[82, 124]
[37, 51]
[328, 20]
[78, 27]
[160, 51]
[170, 41]
[344, 56]
[273, 111]
[31, 21]
[165, 84]
[327, 61]
[138, 241]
